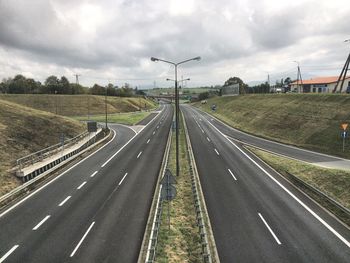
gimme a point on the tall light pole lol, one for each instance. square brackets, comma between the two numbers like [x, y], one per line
[177, 107]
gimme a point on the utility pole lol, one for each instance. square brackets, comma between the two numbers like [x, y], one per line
[77, 78]
[343, 73]
[299, 78]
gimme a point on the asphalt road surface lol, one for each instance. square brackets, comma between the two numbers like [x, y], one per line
[316, 158]
[256, 215]
[95, 212]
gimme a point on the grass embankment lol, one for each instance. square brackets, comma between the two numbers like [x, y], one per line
[311, 121]
[332, 182]
[182, 243]
[124, 118]
[25, 130]
[79, 105]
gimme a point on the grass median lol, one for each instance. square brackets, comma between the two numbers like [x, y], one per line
[334, 183]
[182, 242]
[124, 118]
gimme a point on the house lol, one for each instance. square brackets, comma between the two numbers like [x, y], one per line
[320, 85]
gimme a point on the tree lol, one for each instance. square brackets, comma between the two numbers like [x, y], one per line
[52, 84]
[97, 90]
[18, 85]
[243, 88]
[5, 84]
[203, 95]
[65, 86]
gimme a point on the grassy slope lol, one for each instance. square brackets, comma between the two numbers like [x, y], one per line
[74, 105]
[23, 131]
[124, 118]
[335, 183]
[310, 121]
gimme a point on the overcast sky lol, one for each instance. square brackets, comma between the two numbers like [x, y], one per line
[113, 40]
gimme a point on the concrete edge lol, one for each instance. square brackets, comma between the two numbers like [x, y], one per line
[152, 212]
[209, 229]
[31, 183]
[299, 189]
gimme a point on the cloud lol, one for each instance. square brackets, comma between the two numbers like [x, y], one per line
[107, 38]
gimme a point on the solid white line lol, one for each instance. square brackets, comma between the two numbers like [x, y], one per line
[50, 182]
[41, 222]
[103, 165]
[80, 186]
[269, 228]
[148, 141]
[94, 174]
[139, 154]
[65, 200]
[82, 239]
[331, 229]
[121, 181]
[2, 259]
[217, 152]
[208, 139]
[234, 177]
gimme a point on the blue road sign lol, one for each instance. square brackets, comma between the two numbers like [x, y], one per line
[344, 134]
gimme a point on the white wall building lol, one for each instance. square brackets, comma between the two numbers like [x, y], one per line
[320, 85]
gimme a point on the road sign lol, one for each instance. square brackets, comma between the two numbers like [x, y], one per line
[344, 126]
[168, 192]
[168, 178]
[92, 126]
[344, 134]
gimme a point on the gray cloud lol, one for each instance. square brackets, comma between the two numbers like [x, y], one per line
[118, 37]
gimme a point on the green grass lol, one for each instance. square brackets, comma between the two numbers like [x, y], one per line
[182, 243]
[79, 105]
[335, 183]
[124, 118]
[311, 121]
[185, 91]
[25, 130]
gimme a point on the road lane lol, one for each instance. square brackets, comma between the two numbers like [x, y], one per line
[54, 241]
[275, 147]
[234, 206]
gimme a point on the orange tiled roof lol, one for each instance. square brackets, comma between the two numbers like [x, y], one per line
[320, 80]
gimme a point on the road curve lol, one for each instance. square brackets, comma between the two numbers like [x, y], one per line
[96, 211]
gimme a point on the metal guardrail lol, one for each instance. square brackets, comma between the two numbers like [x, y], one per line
[320, 193]
[27, 186]
[48, 152]
[157, 218]
[209, 252]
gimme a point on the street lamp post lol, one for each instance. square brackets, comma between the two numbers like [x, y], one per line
[177, 106]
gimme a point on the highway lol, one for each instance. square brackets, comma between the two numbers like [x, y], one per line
[256, 215]
[289, 151]
[97, 210]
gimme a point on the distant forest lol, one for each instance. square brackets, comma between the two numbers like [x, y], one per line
[54, 85]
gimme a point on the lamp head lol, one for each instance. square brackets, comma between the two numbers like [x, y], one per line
[154, 59]
[197, 58]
